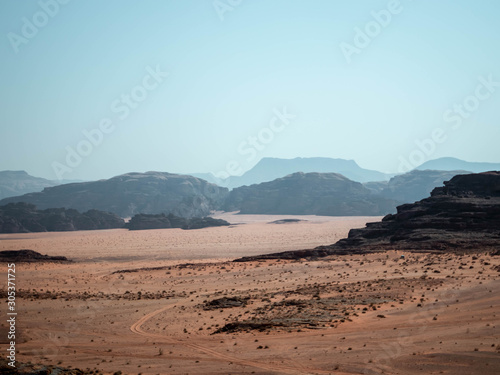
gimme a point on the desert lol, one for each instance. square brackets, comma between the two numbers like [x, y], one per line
[169, 301]
[214, 187]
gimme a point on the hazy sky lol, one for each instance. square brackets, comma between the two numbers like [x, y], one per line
[362, 80]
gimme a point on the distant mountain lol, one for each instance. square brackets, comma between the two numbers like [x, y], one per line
[25, 218]
[132, 193]
[268, 169]
[300, 193]
[453, 164]
[14, 183]
[415, 185]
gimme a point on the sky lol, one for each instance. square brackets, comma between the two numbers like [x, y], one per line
[92, 89]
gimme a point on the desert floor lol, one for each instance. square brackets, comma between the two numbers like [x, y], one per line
[140, 302]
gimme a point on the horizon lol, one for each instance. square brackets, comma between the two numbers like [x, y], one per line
[196, 87]
[222, 182]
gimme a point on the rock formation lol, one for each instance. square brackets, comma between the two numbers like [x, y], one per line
[132, 193]
[161, 221]
[309, 194]
[28, 256]
[464, 214]
[24, 218]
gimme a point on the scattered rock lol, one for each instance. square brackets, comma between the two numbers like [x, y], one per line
[161, 221]
[225, 302]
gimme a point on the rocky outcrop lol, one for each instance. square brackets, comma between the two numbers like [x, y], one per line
[162, 221]
[132, 193]
[28, 256]
[25, 218]
[300, 193]
[463, 215]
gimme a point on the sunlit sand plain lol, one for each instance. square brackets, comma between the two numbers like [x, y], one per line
[370, 314]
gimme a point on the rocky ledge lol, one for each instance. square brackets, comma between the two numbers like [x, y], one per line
[29, 256]
[25, 218]
[462, 215]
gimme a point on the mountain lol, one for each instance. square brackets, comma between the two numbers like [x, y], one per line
[268, 169]
[308, 194]
[14, 183]
[451, 164]
[24, 218]
[415, 185]
[131, 193]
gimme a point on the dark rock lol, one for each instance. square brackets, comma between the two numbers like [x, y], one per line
[286, 221]
[162, 221]
[247, 326]
[464, 214]
[318, 252]
[18, 256]
[145, 221]
[225, 302]
[25, 218]
[204, 222]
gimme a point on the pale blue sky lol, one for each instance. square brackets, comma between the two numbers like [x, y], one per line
[226, 77]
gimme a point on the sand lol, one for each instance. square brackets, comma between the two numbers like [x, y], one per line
[371, 314]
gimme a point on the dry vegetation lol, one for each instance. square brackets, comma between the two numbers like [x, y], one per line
[372, 314]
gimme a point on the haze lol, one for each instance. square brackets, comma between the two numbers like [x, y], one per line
[180, 86]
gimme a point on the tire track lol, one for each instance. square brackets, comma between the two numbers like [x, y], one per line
[137, 329]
